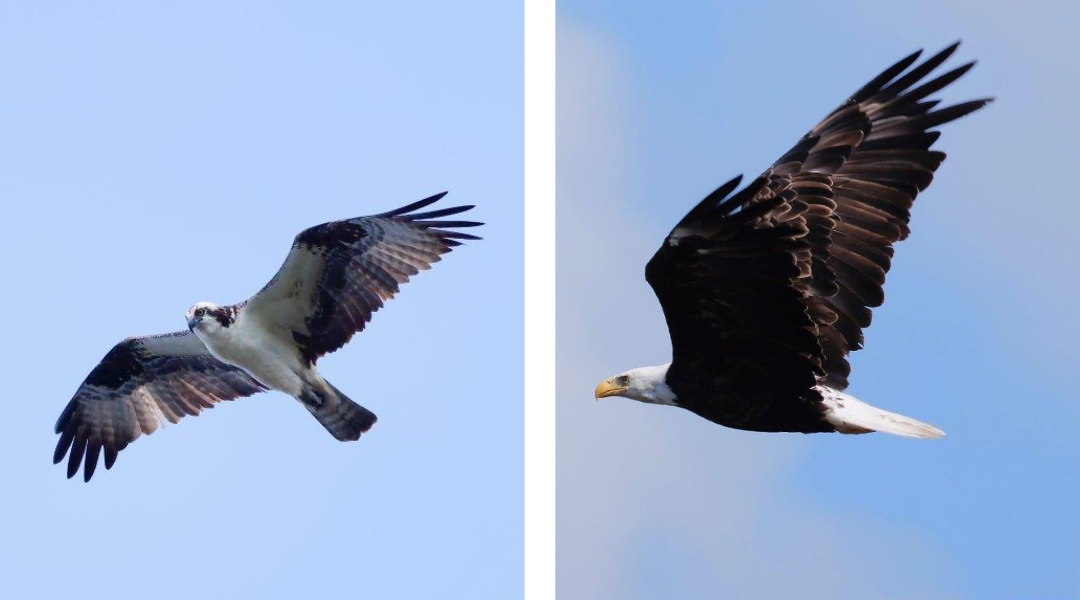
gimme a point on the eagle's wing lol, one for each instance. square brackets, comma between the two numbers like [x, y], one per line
[724, 280]
[863, 165]
[772, 286]
[141, 381]
[339, 273]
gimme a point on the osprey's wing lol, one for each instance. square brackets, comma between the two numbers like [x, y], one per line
[339, 273]
[772, 286]
[141, 381]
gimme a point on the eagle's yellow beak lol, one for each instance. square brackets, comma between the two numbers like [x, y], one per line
[608, 388]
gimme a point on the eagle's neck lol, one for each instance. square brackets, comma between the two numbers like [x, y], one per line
[650, 385]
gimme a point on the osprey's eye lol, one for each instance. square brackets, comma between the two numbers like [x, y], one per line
[200, 312]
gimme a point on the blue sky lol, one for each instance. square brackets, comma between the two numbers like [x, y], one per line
[155, 156]
[658, 103]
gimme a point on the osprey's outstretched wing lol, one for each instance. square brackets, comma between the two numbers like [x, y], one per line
[767, 290]
[140, 382]
[339, 273]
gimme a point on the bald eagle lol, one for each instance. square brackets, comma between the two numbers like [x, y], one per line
[335, 277]
[766, 290]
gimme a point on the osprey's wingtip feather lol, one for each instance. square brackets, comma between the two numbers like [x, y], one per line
[414, 206]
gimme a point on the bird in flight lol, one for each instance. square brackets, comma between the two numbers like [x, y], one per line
[766, 290]
[335, 277]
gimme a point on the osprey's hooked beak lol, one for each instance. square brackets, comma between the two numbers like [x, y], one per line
[192, 322]
[608, 388]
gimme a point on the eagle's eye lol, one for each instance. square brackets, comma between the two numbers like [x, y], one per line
[622, 381]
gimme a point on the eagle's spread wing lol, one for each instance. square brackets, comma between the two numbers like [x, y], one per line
[770, 288]
[339, 273]
[724, 279]
[140, 382]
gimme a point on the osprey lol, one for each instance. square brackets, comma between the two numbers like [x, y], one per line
[766, 290]
[335, 277]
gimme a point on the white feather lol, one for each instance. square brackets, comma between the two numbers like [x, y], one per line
[851, 415]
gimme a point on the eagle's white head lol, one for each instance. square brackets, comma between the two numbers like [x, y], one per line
[207, 317]
[645, 384]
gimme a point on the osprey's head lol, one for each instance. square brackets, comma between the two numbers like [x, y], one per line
[645, 384]
[209, 317]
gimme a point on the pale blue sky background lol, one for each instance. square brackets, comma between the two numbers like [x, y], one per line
[157, 156]
[661, 102]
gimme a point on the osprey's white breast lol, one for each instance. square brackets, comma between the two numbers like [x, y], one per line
[247, 344]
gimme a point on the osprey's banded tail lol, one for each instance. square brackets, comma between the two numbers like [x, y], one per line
[343, 418]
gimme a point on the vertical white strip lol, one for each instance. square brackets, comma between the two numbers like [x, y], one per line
[539, 384]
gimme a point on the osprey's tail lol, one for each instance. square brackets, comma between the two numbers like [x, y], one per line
[343, 418]
[851, 415]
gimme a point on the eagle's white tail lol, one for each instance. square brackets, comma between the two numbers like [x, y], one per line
[851, 415]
